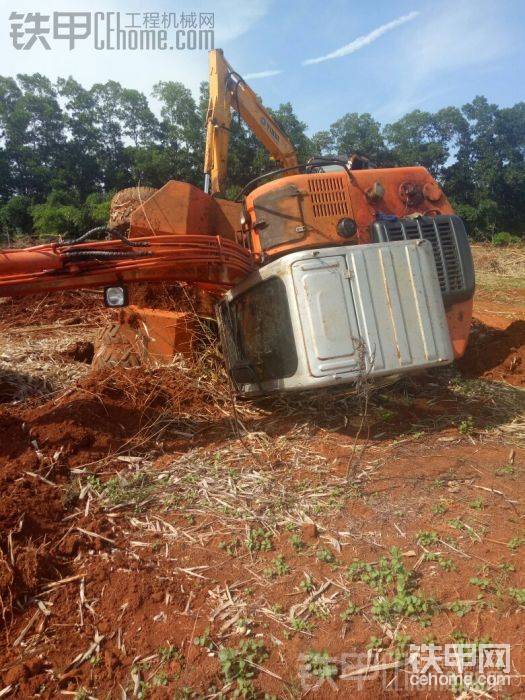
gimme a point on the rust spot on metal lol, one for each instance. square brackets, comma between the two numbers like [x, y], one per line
[411, 193]
[432, 192]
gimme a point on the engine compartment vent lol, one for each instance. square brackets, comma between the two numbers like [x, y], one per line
[451, 248]
[328, 196]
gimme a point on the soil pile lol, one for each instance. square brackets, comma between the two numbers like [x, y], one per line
[496, 354]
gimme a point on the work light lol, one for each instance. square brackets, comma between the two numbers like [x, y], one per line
[115, 297]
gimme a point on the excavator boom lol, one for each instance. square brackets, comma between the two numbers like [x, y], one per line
[229, 91]
[213, 261]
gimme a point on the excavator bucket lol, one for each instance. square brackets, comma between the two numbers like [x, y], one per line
[152, 334]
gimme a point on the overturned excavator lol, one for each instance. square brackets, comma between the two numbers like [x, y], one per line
[323, 272]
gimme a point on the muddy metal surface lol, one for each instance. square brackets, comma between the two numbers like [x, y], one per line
[156, 542]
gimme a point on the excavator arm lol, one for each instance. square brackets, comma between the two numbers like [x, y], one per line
[229, 91]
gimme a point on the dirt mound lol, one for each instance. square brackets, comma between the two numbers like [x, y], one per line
[81, 351]
[496, 354]
[104, 413]
[30, 511]
[70, 308]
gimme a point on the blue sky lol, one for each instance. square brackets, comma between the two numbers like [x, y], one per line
[327, 58]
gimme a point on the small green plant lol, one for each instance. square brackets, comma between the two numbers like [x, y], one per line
[279, 568]
[466, 426]
[160, 679]
[231, 548]
[443, 562]
[319, 610]
[383, 574]
[446, 564]
[259, 540]
[404, 604]
[169, 652]
[386, 415]
[457, 524]
[401, 643]
[350, 611]
[81, 694]
[374, 643]
[299, 625]
[477, 504]
[325, 555]
[462, 638]
[459, 637]
[426, 539]
[319, 664]
[307, 584]
[483, 583]
[297, 542]
[518, 594]
[507, 470]
[502, 239]
[515, 542]
[460, 607]
[396, 586]
[440, 508]
[239, 665]
[205, 640]
[134, 489]
[94, 483]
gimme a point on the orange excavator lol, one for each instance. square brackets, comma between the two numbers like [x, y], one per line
[325, 272]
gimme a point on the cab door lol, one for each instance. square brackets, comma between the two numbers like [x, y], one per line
[328, 317]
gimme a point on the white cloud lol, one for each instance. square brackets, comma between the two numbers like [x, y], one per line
[363, 40]
[232, 18]
[453, 43]
[262, 74]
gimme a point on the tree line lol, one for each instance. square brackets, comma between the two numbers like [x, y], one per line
[65, 150]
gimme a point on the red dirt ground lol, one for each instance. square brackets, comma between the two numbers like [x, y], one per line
[497, 345]
[73, 570]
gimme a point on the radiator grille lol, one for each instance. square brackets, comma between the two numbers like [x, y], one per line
[450, 245]
[328, 196]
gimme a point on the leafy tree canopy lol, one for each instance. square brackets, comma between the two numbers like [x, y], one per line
[64, 149]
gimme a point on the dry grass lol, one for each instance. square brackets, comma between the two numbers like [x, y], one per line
[499, 267]
[32, 364]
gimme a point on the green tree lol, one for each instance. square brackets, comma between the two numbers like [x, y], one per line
[32, 128]
[15, 217]
[417, 139]
[495, 198]
[358, 133]
[114, 161]
[60, 214]
[182, 131]
[84, 152]
[65, 148]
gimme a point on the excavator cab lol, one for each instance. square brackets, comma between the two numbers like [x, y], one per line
[338, 315]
